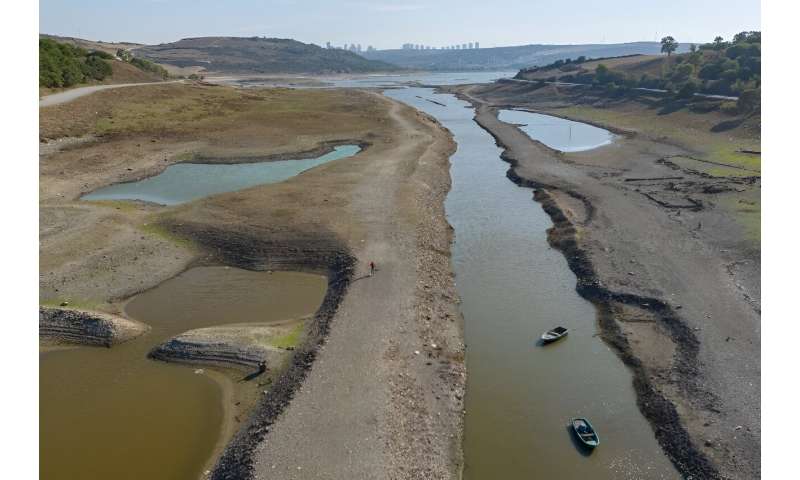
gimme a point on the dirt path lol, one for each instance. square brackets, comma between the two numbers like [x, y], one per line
[367, 409]
[680, 256]
[70, 95]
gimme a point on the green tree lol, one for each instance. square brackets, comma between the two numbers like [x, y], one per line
[687, 90]
[719, 43]
[96, 68]
[668, 45]
[749, 37]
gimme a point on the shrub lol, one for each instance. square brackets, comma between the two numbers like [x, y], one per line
[96, 68]
[729, 108]
[149, 66]
[687, 90]
[749, 100]
[102, 54]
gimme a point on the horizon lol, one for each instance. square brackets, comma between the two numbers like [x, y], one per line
[384, 25]
[364, 46]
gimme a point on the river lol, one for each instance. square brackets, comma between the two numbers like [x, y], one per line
[514, 286]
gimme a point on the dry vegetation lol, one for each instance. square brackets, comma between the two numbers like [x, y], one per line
[222, 115]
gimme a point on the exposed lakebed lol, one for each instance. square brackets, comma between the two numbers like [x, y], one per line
[113, 413]
[513, 286]
[184, 182]
[558, 133]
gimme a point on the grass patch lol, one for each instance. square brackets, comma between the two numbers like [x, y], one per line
[185, 156]
[747, 213]
[121, 205]
[727, 153]
[290, 339]
[76, 303]
[158, 230]
[713, 169]
[217, 112]
[689, 129]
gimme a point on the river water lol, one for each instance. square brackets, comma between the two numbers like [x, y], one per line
[114, 414]
[514, 286]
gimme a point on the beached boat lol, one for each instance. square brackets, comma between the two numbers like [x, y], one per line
[585, 432]
[554, 334]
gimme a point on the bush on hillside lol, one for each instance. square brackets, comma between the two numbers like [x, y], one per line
[749, 100]
[687, 90]
[729, 108]
[95, 67]
[64, 65]
[103, 55]
[149, 66]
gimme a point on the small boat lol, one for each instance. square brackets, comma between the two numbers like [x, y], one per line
[585, 432]
[551, 336]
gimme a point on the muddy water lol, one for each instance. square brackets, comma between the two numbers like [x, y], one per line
[185, 182]
[112, 413]
[514, 286]
[558, 133]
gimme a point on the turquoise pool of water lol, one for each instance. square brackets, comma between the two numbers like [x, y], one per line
[185, 182]
[558, 133]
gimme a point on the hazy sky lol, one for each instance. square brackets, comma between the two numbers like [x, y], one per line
[388, 24]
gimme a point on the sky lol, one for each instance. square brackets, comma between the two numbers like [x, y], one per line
[389, 24]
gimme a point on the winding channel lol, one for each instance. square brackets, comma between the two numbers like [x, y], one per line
[513, 286]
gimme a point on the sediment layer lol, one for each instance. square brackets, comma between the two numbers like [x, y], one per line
[82, 327]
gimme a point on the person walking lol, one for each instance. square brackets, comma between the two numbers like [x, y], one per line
[371, 268]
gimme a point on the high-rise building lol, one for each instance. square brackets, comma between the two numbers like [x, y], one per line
[477, 44]
[328, 45]
[471, 45]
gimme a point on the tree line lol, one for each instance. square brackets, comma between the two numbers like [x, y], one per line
[64, 65]
[731, 68]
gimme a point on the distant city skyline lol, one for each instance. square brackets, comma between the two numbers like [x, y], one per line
[386, 24]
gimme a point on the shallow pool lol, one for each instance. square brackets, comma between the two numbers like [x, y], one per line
[115, 414]
[185, 182]
[558, 133]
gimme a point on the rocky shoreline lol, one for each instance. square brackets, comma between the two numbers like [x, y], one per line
[81, 327]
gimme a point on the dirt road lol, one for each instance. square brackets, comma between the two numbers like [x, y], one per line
[70, 95]
[681, 281]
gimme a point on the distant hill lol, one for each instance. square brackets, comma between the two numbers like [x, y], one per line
[258, 55]
[507, 58]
